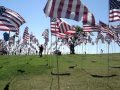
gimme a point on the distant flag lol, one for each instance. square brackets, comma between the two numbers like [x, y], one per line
[108, 38]
[45, 34]
[12, 40]
[116, 29]
[26, 35]
[100, 37]
[31, 37]
[70, 9]
[89, 28]
[105, 28]
[10, 20]
[114, 14]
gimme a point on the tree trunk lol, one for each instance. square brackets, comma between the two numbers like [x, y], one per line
[72, 50]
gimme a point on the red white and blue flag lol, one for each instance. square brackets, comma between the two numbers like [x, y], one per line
[114, 14]
[10, 20]
[54, 24]
[70, 9]
[26, 35]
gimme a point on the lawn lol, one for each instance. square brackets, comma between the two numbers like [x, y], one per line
[86, 72]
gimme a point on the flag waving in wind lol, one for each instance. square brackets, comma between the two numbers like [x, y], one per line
[70, 9]
[114, 14]
[26, 35]
[11, 16]
[10, 20]
[45, 34]
[54, 24]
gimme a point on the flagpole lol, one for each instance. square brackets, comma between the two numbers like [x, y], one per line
[108, 44]
[9, 42]
[57, 63]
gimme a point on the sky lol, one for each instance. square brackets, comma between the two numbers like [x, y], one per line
[37, 21]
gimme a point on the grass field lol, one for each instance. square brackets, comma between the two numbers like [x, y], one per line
[87, 72]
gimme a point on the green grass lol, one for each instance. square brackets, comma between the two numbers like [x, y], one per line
[37, 74]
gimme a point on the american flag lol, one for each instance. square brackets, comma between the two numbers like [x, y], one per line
[45, 34]
[89, 22]
[26, 35]
[60, 26]
[114, 14]
[70, 9]
[108, 38]
[54, 23]
[6, 26]
[88, 18]
[66, 28]
[105, 28]
[31, 37]
[89, 28]
[100, 37]
[115, 28]
[9, 19]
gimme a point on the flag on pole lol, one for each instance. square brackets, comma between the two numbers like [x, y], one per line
[54, 23]
[89, 22]
[100, 37]
[105, 28]
[6, 26]
[89, 28]
[26, 35]
[10, 16]
[70, 9]
[45, 34]
[60, 26]
[114, 14]
[88, 18]
[66, 28]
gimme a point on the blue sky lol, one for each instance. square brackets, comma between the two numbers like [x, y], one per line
[36, 20]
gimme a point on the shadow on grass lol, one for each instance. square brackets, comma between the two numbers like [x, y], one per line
[21, 71]
[115, 67]
[60, 74]
[7, 86]
[1, 67]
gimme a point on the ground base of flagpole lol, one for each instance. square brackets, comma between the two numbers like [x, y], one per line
[60, 74]
[115, 67]
[103, 76]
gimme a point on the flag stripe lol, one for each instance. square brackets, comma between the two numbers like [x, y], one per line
[114, 12]
[88, 28]
[71, 9]
[10, 16]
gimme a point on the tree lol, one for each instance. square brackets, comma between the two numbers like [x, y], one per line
[74, 39]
